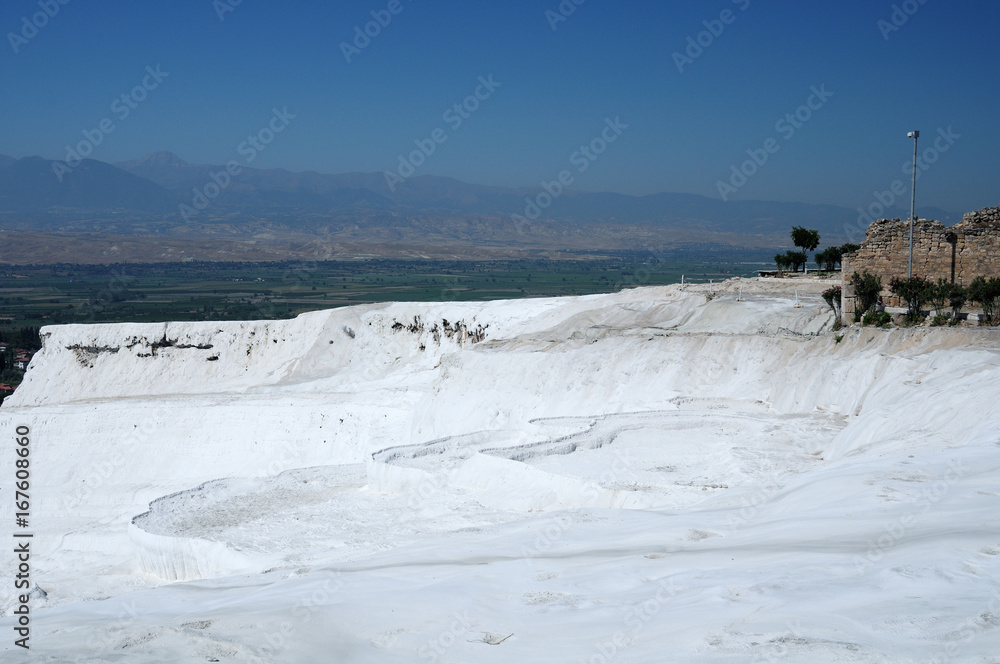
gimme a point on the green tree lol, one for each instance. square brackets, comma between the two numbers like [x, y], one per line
[828, 259]
[849, 248]
[798, 259]
[22, 337]
[791, 260]
[805, 239]
[822, 259]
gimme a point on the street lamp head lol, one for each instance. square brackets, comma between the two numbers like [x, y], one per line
[913, 134]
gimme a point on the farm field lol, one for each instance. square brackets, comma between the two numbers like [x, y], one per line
[64, 293]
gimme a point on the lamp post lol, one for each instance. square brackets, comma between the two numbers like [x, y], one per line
[913, 199]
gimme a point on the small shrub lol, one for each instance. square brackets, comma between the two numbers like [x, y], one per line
[832, 297]
[937, 294]
[880, 319]
[867, 286]
[956, 300]
[913, 291]
[939, 320]
[837, 338]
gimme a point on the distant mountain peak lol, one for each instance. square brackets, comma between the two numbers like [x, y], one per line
[162, 158]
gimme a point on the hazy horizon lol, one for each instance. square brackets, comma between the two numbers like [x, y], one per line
[899, 205]
[814, 103]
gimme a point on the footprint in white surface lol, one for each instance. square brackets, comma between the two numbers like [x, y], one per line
[494, 639]
[698, 535]
[545, 597]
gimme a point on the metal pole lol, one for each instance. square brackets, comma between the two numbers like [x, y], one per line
[913, 201]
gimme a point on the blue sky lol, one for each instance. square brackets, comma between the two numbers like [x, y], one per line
[686, 129]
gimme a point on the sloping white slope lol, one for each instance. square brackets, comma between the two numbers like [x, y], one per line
[601, 477]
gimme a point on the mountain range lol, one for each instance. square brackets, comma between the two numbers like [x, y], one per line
[163, 194]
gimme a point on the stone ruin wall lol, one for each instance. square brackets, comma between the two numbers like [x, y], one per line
[958, 253]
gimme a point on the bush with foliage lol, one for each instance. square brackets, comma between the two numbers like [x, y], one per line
[913, 291]
[987, 293]
[937, 295]
[832, 297]
[867, 286]
[879, 319]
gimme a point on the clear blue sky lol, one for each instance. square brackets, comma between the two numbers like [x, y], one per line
[606, 60]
